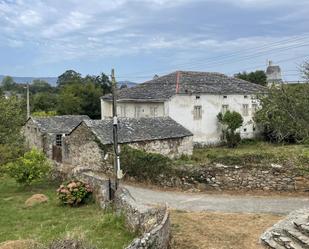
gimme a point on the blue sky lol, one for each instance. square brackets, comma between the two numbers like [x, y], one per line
[147, 37]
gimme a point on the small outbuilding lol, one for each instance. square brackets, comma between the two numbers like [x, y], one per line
[46, 133]
[90, 143]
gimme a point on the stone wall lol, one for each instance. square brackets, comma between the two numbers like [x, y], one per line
[222, 177]
[152, 222]
[171, 148]
[81, 149]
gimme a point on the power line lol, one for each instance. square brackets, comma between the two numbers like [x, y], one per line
[273, 45]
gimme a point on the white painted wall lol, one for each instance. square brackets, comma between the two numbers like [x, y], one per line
[207, 129]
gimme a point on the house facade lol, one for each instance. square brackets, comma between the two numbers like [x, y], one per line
[193, 99]
[47, 133]
[90, 144]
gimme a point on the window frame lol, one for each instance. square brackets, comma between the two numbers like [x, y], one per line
[197, 112]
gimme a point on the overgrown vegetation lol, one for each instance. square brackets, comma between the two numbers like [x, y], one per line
[258, 77]
[51, 221]
[33, 166]
[144, 166]
[231, 121]
[12, 117]
[284, 114]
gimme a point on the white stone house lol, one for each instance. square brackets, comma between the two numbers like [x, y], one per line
[193, 99]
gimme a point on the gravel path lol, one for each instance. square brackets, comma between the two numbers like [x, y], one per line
[223, 203]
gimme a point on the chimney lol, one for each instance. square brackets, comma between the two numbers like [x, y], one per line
[177, 81]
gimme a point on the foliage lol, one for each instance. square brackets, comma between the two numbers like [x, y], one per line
[74, 193]
[40, 86]
[69, 77]
[80, 98]
[254, 154]
[284, 113]
[44, 114]
[257, 77]
[12, 117]
[231, 121]
[30, 168]
[44, 101]
[305, 71]
[143, 165]
[7, 83]
[50, 221]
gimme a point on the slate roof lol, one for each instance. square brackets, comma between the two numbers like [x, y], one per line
[162, 88]
[59, 124]
[135, 130]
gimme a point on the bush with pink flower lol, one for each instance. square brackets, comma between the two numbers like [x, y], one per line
[74, 193]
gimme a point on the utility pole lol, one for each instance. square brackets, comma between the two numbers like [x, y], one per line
[28, 101]
[118, 171]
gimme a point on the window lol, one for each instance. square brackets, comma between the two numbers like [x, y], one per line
[137, 112]
[59, 140]
[254, 108]
[245, 130]
[245, 109]
[245, 97]
[197, 97]
[253, 128]
[225, 108]
[154, 111]
[225, 97]
[197, 113]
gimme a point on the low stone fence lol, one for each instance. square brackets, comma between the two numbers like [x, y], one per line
[153, 223]
[222, 177]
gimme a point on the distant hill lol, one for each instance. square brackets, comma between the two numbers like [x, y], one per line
[127, 83]
[53, 80]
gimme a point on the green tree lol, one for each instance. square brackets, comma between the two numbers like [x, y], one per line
[69, 77]
[231, 121]
[12, 118]
[44, 101]
[284, 113]
[257, 77]
[40, 86]
[8, 83]
[69, 100]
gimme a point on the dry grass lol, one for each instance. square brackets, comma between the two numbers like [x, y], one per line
[219, 230]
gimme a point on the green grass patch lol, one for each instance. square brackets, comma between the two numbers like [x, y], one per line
[252, 154]
[48, 221]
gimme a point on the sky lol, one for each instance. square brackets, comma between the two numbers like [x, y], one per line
[141, 38]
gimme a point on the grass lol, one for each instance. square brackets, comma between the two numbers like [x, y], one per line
[252, 154]
[219, 230]
[48, 221]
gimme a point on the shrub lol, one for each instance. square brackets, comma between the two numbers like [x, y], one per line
[31, 167]
[74, 193]
[143, 165]
[231, 122]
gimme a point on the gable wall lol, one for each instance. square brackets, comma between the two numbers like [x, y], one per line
[80, 149]
[34, 138]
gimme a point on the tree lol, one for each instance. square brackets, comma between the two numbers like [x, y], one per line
[257, 77]
[40, 86]
[69, 100]
[305, 71]
[101, 81]
[8, 83]
[69, 77]
[284, 113]
[231, 121]
[44, 101]
[12, 118]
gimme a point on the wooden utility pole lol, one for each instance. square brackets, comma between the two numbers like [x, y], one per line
[118, 171]
[28, 102]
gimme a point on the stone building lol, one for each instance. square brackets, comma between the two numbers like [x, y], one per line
[193, 99]
[46, 133]
[90, 143]
[273, 74]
